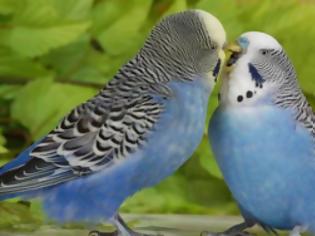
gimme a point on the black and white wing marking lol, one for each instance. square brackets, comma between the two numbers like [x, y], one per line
[92, 137]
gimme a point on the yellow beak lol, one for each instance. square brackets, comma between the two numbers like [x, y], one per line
[222, 56]
[233, 47]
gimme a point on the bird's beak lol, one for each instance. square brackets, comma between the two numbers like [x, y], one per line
[233, 52]
[233, 48]
[222, 56]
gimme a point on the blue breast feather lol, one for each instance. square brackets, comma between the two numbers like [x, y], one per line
[175, 137]
[268, 162]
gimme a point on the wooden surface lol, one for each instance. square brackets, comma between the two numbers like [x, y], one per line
[167, 225]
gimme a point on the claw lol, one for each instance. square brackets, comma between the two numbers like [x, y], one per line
[116, 233]
[240, 233]
[122, 229]
[236, 230]
[94, 233]
[98, 233]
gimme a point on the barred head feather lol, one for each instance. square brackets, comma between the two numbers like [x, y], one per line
[263, 73]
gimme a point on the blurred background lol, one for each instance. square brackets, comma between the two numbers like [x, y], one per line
[55, 54]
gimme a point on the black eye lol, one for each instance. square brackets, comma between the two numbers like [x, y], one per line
[264, 52]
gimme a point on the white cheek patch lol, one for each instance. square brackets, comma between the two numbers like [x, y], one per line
[239, 88]
[245, 85]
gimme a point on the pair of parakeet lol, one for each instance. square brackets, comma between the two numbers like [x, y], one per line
[148, 120]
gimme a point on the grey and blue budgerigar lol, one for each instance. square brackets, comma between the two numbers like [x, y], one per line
[263, 137]
[141, 127]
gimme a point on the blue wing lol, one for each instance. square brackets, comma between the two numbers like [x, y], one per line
[19, 161]
[88, 140]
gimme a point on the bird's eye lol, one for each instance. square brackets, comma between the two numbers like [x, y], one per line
[264, 51]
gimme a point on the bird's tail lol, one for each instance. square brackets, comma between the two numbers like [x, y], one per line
[28, 176]
[19, 161]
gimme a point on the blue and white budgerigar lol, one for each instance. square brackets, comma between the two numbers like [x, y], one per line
[141, 127]
[263, 137]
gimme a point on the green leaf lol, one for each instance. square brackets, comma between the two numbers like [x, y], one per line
[207, 159]
[168, 196]
[68, 59]
[74, 9]
[204, 152]
[20, 217]
[7, 6]
[107, 65]
[15, 67]
[29, 41]
[39, 13]
[311, 99]
[9, 91]
[42, 103]
[42, 13]
[124, 34]
[227, 12]
[89, 74]
[177, 6]
[2, 143]
[106, 13]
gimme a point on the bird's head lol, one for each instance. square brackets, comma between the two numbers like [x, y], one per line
[187, 44]
[257, 71]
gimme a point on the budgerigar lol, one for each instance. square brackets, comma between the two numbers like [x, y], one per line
[141, 127]
[263, 138]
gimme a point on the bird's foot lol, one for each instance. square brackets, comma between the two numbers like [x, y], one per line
[236, 230]
[226, 233]
[122, 229]
[116, 233]
[98, 233]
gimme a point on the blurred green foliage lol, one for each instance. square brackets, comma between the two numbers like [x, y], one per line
[55, 54]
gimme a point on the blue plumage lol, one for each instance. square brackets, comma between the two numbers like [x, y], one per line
[265, 164]
[265, 143]
[21, 159]
[177, 134]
